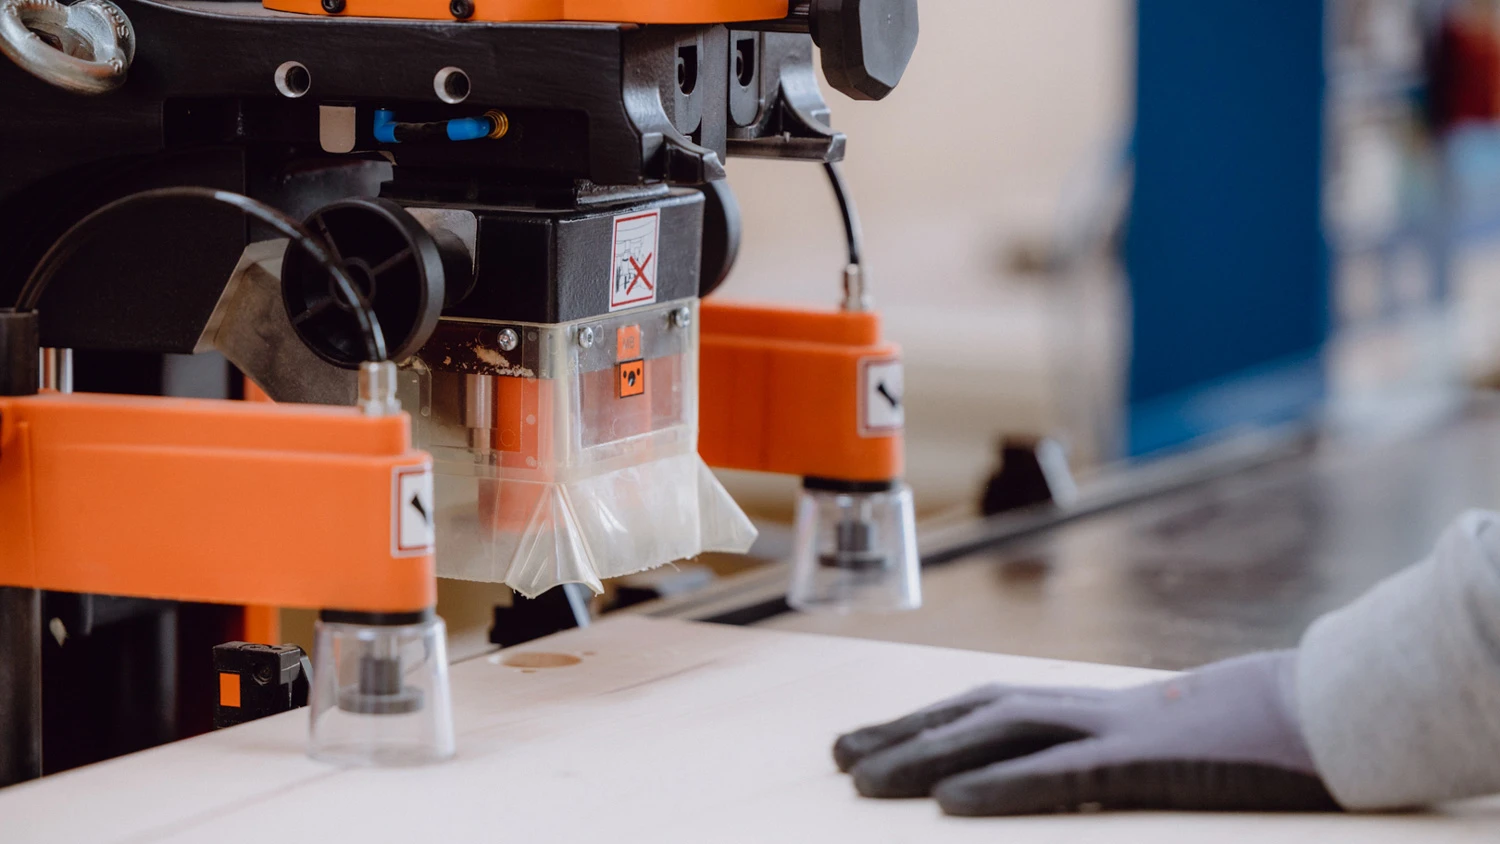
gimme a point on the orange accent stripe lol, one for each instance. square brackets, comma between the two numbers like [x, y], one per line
[254, 392]
[229, 688]
[262, 625]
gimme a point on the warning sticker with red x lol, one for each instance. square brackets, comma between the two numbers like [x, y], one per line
[633, 269]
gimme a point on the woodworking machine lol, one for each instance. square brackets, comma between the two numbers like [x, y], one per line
[500, 215]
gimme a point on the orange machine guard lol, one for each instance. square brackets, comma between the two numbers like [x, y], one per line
[786, 391]
[511, 11]
[262, 625]
[213, 501]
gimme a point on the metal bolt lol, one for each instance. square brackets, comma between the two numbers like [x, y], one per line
[377, 389]
[333, 7]
[857, 290]
[57, 370]
[263, 674]
[461, 9]
[509, 339]
[586, 337]
[682, 317]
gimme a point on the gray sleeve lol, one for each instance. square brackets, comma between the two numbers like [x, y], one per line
[1399, 693]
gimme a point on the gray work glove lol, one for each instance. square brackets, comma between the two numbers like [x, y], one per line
[1224, 737]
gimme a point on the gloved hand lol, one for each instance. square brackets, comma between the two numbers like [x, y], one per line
[1224, 737]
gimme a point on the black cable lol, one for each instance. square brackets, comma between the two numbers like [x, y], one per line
[846, 207]
[66, 246]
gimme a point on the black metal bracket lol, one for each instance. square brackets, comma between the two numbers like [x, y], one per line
[259, 680]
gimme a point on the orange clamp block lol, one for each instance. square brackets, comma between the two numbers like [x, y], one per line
[799, 392]
[214, 501]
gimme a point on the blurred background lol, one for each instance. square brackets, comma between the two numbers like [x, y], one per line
[1133, 225]
[1199, 303]
[1005, 138]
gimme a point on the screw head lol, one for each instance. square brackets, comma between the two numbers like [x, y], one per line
[333, 7]
[461, 9]
[682, 317]
[509, 339]
[586, 337]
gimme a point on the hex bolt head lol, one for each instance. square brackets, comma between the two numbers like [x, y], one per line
[508, 339]
[586, 337]
[682, 317]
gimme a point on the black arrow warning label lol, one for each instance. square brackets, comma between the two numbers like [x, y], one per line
[881, 393]
[413, 514]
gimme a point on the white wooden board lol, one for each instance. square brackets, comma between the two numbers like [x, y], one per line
[665, 732]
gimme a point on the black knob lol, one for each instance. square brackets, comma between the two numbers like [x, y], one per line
[394, 262]
[1032, 471]
[866, 44]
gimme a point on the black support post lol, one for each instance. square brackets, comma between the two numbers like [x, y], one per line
[20, 609]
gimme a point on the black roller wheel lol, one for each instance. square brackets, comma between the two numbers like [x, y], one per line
[721, 235]
[393, 261]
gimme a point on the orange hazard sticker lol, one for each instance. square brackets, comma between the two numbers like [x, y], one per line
[632, 378]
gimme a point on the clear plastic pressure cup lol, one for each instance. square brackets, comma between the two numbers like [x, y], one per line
[380, 694]
[856, 550]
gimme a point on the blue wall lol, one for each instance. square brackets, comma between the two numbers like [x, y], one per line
[1225, 250]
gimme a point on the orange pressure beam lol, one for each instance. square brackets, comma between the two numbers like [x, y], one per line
[797, 392]
[510, 11]
[213, 501]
